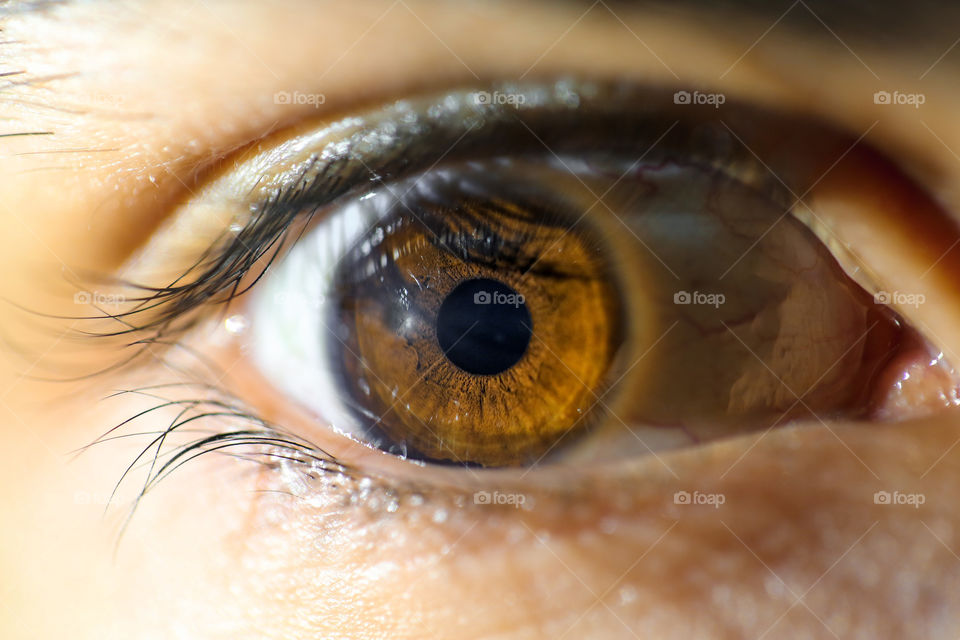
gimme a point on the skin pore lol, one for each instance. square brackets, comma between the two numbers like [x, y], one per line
[138, 103]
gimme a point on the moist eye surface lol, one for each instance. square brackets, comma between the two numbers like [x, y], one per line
[591, 271]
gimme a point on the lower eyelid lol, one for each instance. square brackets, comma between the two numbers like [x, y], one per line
[364, 468]
[784, 513]
[376, 500]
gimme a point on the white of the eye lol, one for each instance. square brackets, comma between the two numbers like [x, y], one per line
[290, 338]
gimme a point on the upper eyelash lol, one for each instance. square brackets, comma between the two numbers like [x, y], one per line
[342, 169]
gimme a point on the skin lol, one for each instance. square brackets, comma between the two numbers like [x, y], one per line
[147, 99]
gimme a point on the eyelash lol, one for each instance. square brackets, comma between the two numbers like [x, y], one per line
[236, 262]
[218, 276]
[256, 441]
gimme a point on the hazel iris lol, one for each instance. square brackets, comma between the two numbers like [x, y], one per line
[475, 330]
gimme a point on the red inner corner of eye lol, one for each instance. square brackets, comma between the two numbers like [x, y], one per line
[914, 382]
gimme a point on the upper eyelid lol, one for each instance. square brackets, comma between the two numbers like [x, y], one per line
[798, 18]
[412, 136]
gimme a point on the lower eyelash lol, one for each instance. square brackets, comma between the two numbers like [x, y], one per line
[253, 439]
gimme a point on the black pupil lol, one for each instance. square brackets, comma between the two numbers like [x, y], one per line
[483, 326]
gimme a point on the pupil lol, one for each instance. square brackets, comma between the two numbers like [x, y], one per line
[483, 326]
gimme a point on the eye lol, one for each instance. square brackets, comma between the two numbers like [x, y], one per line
[581, 271]
[471, 314]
